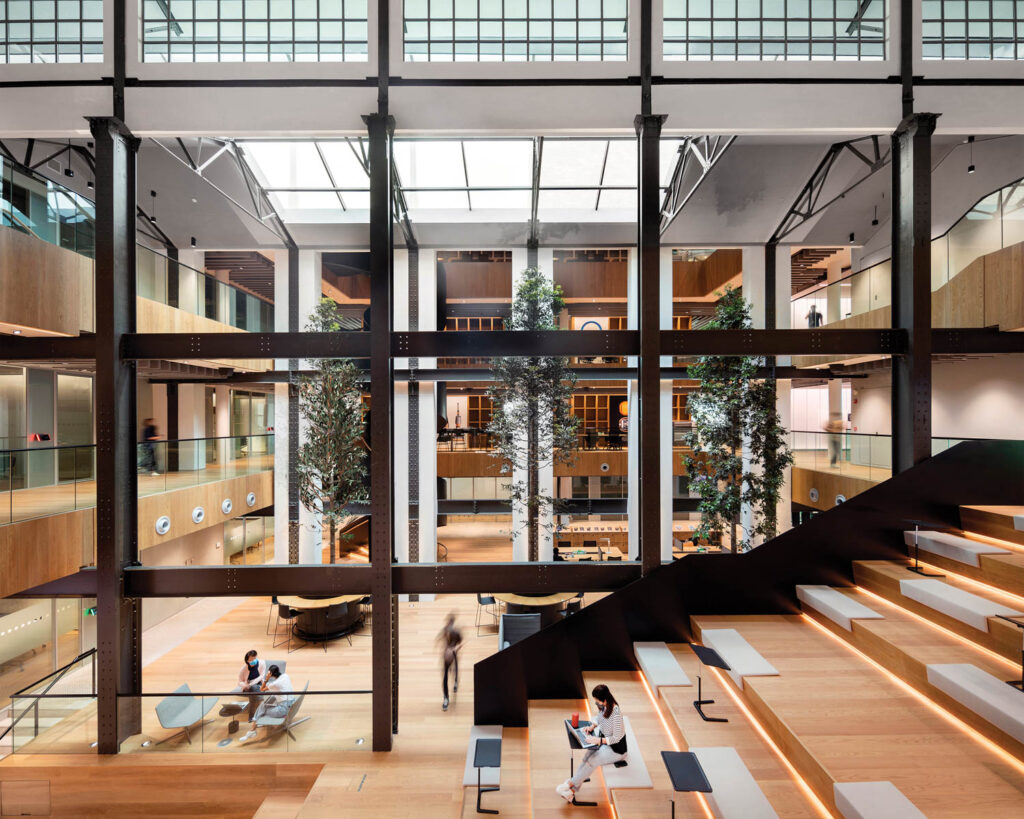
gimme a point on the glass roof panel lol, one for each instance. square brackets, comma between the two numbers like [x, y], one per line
[357, 201]
[572, 162]
[345, 166]
[562, 200]
[307, 200]
[496, 163]
[668, 158]
[621, 168]
[612, 200]
[437, 200]
[506, 200]
[430, 163]
[288, 164]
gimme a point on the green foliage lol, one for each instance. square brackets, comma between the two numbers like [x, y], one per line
[532, 424]
[732, 405]
[331, 460]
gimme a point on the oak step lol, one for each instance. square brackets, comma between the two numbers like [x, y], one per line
[1002, 522]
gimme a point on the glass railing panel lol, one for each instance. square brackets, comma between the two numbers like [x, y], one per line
[218, 721]
[57, 714]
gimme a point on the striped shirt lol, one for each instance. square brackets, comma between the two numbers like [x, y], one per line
[611, 727]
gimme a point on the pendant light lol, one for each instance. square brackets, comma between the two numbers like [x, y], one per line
[970, 145]
[152, 213]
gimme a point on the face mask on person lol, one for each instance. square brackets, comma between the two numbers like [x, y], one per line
[253, 662]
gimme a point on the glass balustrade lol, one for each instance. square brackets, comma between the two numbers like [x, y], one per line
[37, 206]
[48, 480]
[57, 714]
[995, 222]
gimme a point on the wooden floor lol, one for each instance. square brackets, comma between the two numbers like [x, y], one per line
[23, 504]
[845, 721]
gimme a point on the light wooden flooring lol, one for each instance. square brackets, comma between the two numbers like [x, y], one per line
[840, 719]
[23, 504]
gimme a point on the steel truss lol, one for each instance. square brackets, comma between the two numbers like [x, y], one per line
[697, 156]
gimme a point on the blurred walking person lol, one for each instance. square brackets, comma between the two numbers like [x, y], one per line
[450, 639]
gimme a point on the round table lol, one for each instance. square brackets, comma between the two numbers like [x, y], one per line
[549, 606]
[322, 619]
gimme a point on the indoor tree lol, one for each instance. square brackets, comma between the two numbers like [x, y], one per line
[532, 423]
[331, 459]
[733, 410]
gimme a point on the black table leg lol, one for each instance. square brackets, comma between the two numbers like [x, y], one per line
[480, 790]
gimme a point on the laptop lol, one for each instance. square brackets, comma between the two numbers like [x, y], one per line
[585, 739]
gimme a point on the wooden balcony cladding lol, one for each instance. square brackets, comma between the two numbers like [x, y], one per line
[475, 276]
[178, 506]
[700, 279]
[37, 551]
[46, 289]
[828, 484]
[592, 277]
[588, 463]
[155, 317]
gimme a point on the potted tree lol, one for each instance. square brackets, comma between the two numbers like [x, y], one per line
[532, 425]
[331, 460]
[735, 410]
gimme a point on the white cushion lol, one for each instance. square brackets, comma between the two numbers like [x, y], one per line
[488, 776]
[1018, 522]
[743, 659]
[959, 604]
[633, 775]
[659, 665]
[835, 605]
[953, 547]
[873, 800]
[989, 697]
[735, 794]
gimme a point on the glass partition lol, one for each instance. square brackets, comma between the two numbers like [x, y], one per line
[56, 714]
[32, 204]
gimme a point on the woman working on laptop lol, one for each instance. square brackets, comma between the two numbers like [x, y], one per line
[608, 733]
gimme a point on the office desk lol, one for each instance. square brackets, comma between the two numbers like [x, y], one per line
[548, 606]
[322, 619]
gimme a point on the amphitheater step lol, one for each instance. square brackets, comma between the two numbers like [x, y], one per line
[1005, 523]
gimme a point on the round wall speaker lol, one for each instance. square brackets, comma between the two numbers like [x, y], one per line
[605, 467]
[840, 499]
[813, 494]
[198, 514]
[250, 499]
[226, 506]
[163, 525]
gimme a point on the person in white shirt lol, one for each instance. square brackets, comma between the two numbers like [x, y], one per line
[611, 730]
[275, 705]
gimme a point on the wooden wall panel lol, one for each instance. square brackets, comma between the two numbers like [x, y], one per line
[1004, 289]
[592, 280]
[477, 280]
[42, 284]
[699, 279]
[178, 506]
[828, 485]
[33, 552]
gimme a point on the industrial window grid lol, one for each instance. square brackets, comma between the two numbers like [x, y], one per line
[776, 30]
[515, 30]
[51, 31]
[972, 30]
[254, 31]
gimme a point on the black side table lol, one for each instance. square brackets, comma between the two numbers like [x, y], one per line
[686, 774]
[487, 755]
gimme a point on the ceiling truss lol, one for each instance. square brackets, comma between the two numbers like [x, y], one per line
[697, 156]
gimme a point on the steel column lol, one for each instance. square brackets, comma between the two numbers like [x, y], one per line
[911, 290]
[116, 488]
[648, 129]
[381, 129]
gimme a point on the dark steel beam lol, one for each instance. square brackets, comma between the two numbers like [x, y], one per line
[356, 578]
[441, 344]
[118, 626]
[353, 344]
[47, 348]
[782, 342]
[911, 290]
[381, 129]
[648, 131]
[80, 584]
[975, 342]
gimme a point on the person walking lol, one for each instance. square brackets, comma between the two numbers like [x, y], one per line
[814, 318]
[834, 428]
[610, 729]
[149, 434]
[451, 641]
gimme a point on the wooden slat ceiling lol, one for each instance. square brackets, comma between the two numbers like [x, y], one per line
[248, 269]
[809, 266]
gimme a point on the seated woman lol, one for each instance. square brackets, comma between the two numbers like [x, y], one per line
[609, 726]
[250, 678]
[276, 705]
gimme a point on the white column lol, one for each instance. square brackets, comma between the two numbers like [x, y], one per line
[783, 400]
[191, 424]
[280, 413]
[428, 416]
[546, 476]
[753, 292]
[310, 290]
[520, 538]
[665, 408]
[400, 408]
[633, 432]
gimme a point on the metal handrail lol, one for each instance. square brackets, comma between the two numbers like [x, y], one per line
[57, 675]
[155, 443]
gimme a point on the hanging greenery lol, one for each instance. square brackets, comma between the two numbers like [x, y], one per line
[734, 409]
[331, 459]
[532, 424]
